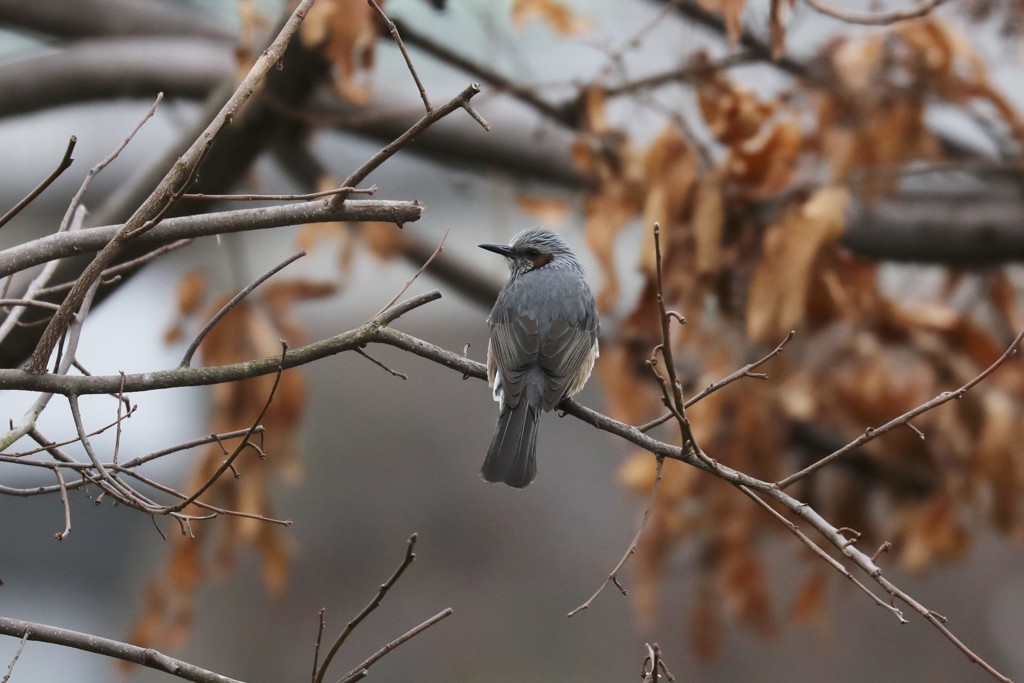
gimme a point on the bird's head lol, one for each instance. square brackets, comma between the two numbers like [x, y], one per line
[536, 248]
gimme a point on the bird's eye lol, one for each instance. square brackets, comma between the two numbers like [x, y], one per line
[532, 253]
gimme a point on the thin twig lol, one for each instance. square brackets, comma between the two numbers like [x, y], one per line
[305, 197]
[361, 670]
[65, 164]
[226, 308]
[88, 642]
[31, 303]
[61, 535]
[745, 371]
[381, 365]
[393, 30]
[440, 248]
[817, 549]
[226, 465]
[319, 639]
[873, 433]
[14, 660]
[613, 575]
[372, 605]
[460, 101]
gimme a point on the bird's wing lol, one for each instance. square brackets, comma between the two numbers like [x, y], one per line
[513, 347]
[567, 357]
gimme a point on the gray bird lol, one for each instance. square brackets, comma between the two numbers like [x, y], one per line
[543, 344]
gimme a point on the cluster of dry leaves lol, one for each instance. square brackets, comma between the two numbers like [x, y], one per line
[864, 356]
[743, 281]
[251, 329]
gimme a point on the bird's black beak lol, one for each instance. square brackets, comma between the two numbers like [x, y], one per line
[497, 249]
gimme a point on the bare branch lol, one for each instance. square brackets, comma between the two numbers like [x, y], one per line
[460, 101]
[817, 549]
[393, 30]
[68, 385]
[61, 535]
[45, 249]
[167, 192]
[187, 358]
[65, 164]
[361, 670]
[14, 660]
[280, 197]
[87, 642]
[227, 464]
[372, 605]
[873, 433]
[745, 371]
[430, 259]
[613, 575]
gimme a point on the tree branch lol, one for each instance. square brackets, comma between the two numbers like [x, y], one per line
[173, 184]
[170, 230]
[87, 642]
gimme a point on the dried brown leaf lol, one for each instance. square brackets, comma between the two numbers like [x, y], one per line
[811, 598]
[556, 15]
[731, 11]
[346, 32]
[551, 211]
[732, 112]
[191, 291]
[385, 240]
[779, 289]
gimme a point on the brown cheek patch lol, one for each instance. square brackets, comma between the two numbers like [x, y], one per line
[542, 260]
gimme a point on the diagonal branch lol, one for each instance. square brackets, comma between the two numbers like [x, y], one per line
[87, 642]
[167, 192]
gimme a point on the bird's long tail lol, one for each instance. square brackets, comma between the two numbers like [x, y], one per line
[512, 455]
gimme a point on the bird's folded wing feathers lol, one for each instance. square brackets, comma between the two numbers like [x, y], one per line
[514, 346]
[567, 351]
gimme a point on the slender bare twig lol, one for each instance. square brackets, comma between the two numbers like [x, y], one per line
[613, 576]
[200, 504]
[431, 46]
[817, 549]
[65, 164]
[226, 465]
[671, 386]
[372, 605]
[873, 433]
[657, 664]
[31, 303]
[875, 18]
[106, 161]
[361, 670]
[382, 366]
[173, 185]
[393, 30]
[460, 101]
[67, 385]
[39, 281]
[87, 642]
[61, 535]
[14, 660]
[745, 371]
[426, 264]
[319, 640]
[186, 360]
[305, 197]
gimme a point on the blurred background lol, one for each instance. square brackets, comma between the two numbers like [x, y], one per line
[903, 286]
